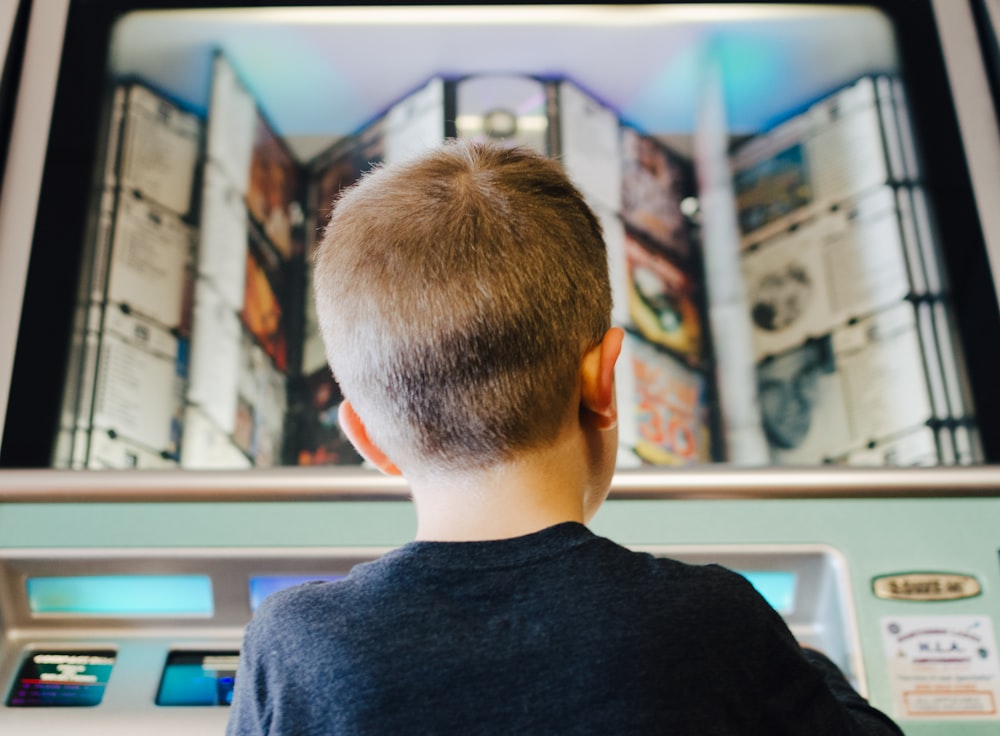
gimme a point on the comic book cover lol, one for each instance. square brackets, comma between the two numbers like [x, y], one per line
[654, 183]
[663, 299]
[263, 311]
[320, 439]
[339, 167]
[666, 407]
[831, 152]
[272, 196]
[772, 189]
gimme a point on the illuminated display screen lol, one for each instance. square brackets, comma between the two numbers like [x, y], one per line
[776, 586]
[122, 595]
[61, 679]
[198, 678]
[263, 585]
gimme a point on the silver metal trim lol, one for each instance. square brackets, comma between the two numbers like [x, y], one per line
[340, 483]
[23, 174]
[977, 119]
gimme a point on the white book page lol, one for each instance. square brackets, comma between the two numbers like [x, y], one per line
[135, 381]
[416, 123]
[150, 260]
[215, 356]
[232, 120]
[589, 146]
[222, 252]
[160, 150]
[787, 294]
[863, 254]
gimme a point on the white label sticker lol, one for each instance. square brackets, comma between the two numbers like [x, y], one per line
[942, 667]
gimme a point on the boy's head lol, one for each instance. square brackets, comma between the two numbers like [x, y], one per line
[456, 294]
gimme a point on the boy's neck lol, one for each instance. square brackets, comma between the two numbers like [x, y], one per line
[537, 490]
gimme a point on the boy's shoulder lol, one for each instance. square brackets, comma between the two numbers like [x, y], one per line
[559, 563]
[301, 605]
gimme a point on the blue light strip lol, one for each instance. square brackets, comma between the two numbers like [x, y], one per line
[262, 586]
[122, 595]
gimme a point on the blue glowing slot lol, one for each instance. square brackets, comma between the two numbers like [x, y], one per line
[122, 595]
[263, 585]
[777, 588]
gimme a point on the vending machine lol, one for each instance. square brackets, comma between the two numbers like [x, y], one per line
[797, 201]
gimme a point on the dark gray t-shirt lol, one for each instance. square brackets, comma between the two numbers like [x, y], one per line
[557, 632]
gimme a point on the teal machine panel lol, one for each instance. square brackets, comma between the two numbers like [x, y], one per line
[899, 583]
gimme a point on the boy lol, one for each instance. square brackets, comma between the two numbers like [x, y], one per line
[465, 307]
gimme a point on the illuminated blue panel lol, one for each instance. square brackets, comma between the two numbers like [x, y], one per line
[263, 585]
[122, 595]
[198, 678]
[777, 587]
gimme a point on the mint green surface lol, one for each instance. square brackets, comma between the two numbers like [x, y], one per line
[293, 524]
[875, 537]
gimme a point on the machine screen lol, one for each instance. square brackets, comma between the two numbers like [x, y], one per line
[262, 586]
[776, 586]
[56, 679]
[198, 678]
[121, 595]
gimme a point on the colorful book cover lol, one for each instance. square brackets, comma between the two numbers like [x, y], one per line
[668, 407]
[272, 196]
[264, 309]
[663, 300]
[320, 439]
[654, 183]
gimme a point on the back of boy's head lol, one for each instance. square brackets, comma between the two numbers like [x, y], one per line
[456, 294]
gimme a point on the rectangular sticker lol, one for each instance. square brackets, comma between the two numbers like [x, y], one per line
[942, 667]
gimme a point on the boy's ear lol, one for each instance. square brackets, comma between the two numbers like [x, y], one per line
[356, 432]
[597, 376]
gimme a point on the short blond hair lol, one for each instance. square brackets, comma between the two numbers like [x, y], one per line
[456, 294]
